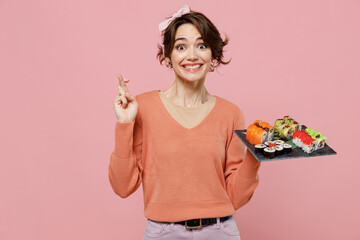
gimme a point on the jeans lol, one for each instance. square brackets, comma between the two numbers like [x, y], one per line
[226, 230]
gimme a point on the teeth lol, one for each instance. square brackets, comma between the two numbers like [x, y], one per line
[193, 67]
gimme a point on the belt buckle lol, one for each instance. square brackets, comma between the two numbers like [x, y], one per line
[193, 227]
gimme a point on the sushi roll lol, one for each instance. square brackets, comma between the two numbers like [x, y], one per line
[320, 139]
[277, 122]
[304, 141]
[321, 143]
[308, 144]
[249, 131]
[295, 126]
[285, 127]
[281, 124]
[269, 152]
[258, 132]
[287, 148]
[279, 142]
[269, 134]
[286, 132]
[270, 131]
[259, 136]
[279, 150]
[270, 143]
[266, 127]
[259, 148]
[298, 136]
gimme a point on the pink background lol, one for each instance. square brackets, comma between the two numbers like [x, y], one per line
[58, 65]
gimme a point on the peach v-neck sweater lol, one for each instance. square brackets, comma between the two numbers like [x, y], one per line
[188, 117]
[199, 172]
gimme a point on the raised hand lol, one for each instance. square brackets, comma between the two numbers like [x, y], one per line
[125, 104]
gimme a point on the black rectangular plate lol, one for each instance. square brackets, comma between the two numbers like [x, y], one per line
[295, 152]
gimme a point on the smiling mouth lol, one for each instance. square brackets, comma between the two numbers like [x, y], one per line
[192, 66]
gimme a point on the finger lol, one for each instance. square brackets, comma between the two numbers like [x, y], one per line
[121, 91]
[121, 100]
[124, 105]
[125, 81]
[121, 80]
[129, 97]
[118, 98]
[117, 102]
[126, 89]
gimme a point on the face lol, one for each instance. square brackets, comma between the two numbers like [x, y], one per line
[190, 57]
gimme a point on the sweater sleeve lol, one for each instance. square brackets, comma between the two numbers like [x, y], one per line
[125, 168]
[241, 172]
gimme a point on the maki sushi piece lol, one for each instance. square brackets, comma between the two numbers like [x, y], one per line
[295, 126]
[287, 148]
[285, 132]
[309, 144]
[270, 143]
[279, 122]
[320, 139]
[259, 136]
[279, 142]
[279, 150]
[297, 136]
[269, 129]
[250, 130]
[259, 148]
[304, 141]
[255, 134]
[286, 126]
[269, 152]
[259, 132]
[309, 140]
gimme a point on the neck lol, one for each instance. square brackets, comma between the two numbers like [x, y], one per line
[187, 93]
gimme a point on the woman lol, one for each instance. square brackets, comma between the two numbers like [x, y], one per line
[180, 143]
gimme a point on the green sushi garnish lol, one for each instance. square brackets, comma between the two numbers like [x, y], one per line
[316, 135]
[290, 142]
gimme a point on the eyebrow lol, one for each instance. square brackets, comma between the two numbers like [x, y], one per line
[184, 39]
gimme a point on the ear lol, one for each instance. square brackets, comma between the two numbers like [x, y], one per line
[168, 59]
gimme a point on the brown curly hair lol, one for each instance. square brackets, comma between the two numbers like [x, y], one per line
[209, 33]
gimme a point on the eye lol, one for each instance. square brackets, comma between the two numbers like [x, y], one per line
[202, 46]
[180, 47]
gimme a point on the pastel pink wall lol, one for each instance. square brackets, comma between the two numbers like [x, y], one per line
[58, 65]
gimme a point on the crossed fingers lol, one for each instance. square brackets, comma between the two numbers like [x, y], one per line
[123, 91]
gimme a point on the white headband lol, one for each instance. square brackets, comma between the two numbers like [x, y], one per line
[163, 25]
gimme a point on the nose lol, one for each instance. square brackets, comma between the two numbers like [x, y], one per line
[192, 54]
